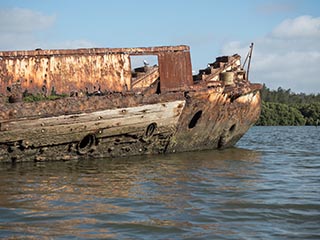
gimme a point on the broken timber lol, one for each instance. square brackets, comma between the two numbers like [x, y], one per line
[74, 104]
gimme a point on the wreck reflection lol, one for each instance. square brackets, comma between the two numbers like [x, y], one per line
[78, 197]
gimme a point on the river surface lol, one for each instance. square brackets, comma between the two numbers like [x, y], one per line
[267, 187]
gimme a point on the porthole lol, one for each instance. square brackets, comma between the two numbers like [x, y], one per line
[86, 144]
[149, 131]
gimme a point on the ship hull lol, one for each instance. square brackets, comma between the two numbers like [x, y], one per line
[92, 103]
[202, 120]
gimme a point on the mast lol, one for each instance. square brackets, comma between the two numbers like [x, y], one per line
[249, 62]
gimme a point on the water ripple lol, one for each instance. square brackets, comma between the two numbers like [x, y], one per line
[265, 188]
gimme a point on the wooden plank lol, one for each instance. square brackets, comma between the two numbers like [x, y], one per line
[146, 80]
[118, 113]
[69, 128]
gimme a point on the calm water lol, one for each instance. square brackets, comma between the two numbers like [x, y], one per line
[266, 188]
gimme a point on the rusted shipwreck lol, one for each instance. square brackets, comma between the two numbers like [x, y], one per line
[73, 104]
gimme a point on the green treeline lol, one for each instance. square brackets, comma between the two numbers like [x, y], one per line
[283, 107]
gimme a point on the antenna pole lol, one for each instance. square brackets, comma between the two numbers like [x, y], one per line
[249, 54]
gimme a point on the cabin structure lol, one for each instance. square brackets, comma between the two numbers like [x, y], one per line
[91, 70]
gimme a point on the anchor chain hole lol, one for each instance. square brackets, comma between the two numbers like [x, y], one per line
[193, 122]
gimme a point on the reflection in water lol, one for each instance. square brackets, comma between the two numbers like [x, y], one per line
[230, 194]
[77, 198]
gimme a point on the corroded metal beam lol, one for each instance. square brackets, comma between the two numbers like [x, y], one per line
[91, 51]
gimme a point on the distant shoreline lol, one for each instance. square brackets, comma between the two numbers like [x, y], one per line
[282, 107]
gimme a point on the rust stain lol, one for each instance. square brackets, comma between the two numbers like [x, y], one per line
[173, 75]
[66, 73]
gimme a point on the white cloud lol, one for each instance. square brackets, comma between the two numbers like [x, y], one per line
[19, 20]
[289, 56]
[300, 27]
[26, 29]
[19, 28]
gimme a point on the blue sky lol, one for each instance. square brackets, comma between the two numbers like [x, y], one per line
[286, 33]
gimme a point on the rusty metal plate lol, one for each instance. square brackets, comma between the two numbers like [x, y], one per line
[66, 73]
[175, 70]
